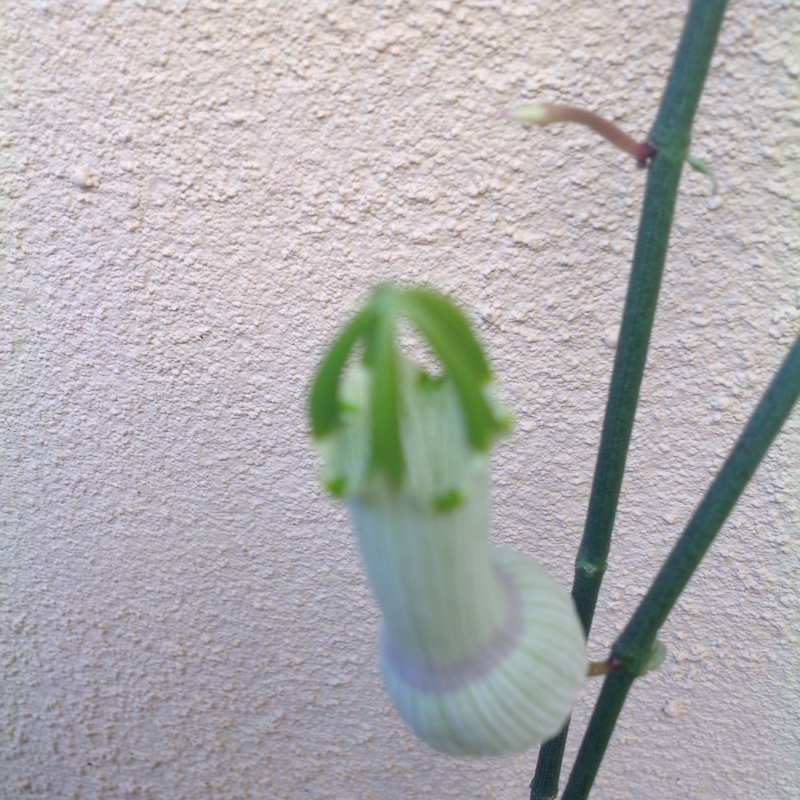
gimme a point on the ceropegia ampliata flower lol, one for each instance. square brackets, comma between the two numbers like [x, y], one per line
[481, 651]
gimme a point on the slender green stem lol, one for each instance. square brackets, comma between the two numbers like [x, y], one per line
[634, 644]
[609, 704]
[670, 135]
[544, 785]
[637, 323]
[634, 338]
[762, 428]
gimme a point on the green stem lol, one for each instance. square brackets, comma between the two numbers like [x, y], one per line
[544, 785]
[593, 747]
[626, 379]
[670, 135]
[634, 644]
[762, 428]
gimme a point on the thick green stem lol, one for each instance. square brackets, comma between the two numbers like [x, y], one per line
[633, 646]
[670, 135]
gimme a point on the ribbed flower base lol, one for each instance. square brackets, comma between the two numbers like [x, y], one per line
[514, 692]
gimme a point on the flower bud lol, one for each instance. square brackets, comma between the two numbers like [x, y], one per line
[481, 651]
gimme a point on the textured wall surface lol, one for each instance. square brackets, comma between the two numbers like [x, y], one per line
[197, 194]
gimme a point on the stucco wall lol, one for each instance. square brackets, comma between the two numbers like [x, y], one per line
[199, 193]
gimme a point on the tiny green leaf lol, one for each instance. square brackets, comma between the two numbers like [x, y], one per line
[658, 652]
[698, 165]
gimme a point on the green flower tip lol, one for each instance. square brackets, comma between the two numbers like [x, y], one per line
[445, 329]
[337, 486]
[447, 501]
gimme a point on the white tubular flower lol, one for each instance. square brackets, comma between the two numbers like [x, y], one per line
[481, 651]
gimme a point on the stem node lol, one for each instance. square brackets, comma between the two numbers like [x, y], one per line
[645, 153]
[590, 569]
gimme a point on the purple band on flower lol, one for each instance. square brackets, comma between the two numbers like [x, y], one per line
[428, 677]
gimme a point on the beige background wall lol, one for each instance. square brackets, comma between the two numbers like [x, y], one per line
[198, 194]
